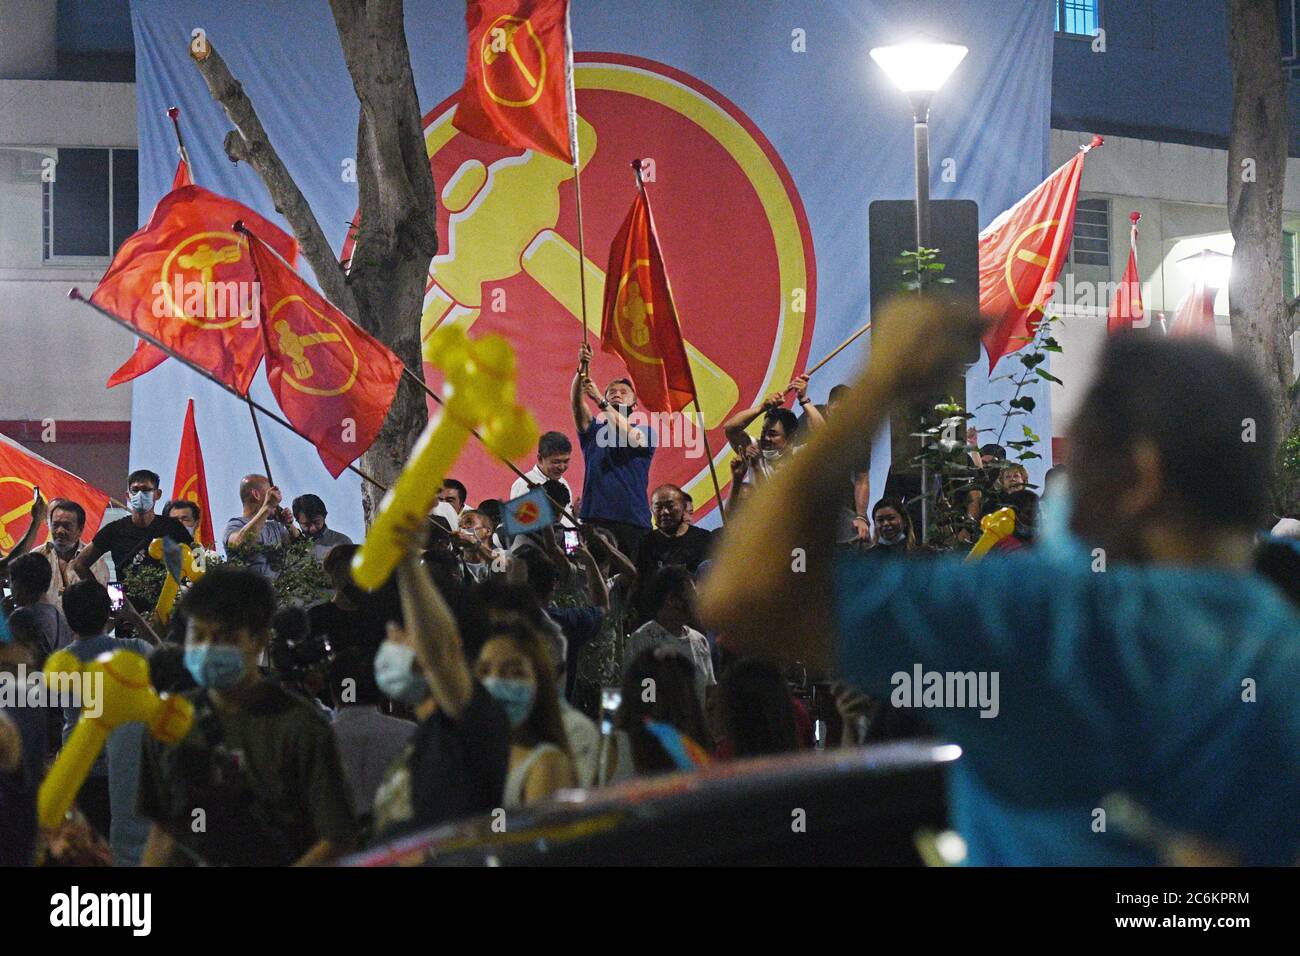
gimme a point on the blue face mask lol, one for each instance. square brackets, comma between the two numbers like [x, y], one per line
[395, 677]
[516, 696]
[141, 501]
[215, 666]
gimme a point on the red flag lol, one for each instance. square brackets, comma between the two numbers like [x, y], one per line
[191, 483]
[333, 381]
[1196, 312]
[165, 257]
[182, 176]
[1127, 305]
[21, 472]
[639, 323]
[1021, 253]
[516, 90]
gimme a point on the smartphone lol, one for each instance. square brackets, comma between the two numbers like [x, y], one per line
[116, 596]
[611, 699]
[571, 541]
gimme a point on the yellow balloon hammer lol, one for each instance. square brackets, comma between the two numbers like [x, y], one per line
[995, 526]
[115, 690]
[480, 390]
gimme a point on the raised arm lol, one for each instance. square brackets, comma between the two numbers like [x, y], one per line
[432, 630]
[40, 510]
[779, 544]
[581, 414]
[84, 561]
[735, 425]
[813, 418]
[597, 588]
[253, 529]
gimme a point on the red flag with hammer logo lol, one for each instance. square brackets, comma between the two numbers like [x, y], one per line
[1021, 253]
[333, 381]
[640, 321]
[516, 90]
[162, 281]
[21, 473]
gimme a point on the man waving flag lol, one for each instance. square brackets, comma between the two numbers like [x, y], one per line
[1021, 253]
[333, 381]
[516, 83]
[640, 322]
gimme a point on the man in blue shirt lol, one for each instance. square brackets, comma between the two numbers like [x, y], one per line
[1134, 657]
[616, 452]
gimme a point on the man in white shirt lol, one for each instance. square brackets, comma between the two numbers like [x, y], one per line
[554, 452]
[670, 597]
[67, 521]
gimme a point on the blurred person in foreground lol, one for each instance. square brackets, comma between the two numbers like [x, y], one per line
[1138, 655]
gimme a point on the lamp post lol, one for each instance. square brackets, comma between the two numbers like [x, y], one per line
[919, 68]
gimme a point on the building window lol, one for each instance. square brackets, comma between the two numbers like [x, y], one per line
[1290, 265]
[90, 206]
[1091, 245]
[1081, 18]
[1290, 13]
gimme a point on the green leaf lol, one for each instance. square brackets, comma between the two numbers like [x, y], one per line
[1049, 376]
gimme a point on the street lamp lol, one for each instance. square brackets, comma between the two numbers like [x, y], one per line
[919, 68]
[1208, 267]
[1209, 272]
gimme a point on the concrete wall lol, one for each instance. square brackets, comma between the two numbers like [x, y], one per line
[1181, 192]
[56, 354]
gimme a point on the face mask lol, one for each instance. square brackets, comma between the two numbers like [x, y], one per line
[891, 539]
[215, 666]
[395, 677]
[141, 501]
[516, 696]
[770, 454]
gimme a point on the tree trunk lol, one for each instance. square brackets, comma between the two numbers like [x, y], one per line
[382, 289]
[1257, 150]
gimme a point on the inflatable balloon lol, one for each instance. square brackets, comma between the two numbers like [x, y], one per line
[182, 563]
[122, 694]
[995, 526]
[480, 391]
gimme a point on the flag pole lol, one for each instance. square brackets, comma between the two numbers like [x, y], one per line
[572, 95]
[838, 349]
[174, 113]
[261, 446]
[75, 295]
[695, 394]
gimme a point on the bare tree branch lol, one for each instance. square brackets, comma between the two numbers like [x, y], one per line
[401, 216]
[249, 142]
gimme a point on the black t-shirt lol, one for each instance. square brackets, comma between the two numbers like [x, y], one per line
[658, 550]
[128, 542]
[268, 778]
[451, 769]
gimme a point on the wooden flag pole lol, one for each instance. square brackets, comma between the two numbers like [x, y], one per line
[75, 295]
[838, 349]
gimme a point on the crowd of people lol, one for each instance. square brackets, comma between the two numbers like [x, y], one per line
[494, 669]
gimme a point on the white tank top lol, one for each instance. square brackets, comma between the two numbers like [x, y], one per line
[519, 774]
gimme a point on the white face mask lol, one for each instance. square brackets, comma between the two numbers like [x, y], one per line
[894, 539]
[141, 501]
[770, 454]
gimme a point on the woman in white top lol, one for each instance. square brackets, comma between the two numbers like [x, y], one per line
[514, 666]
